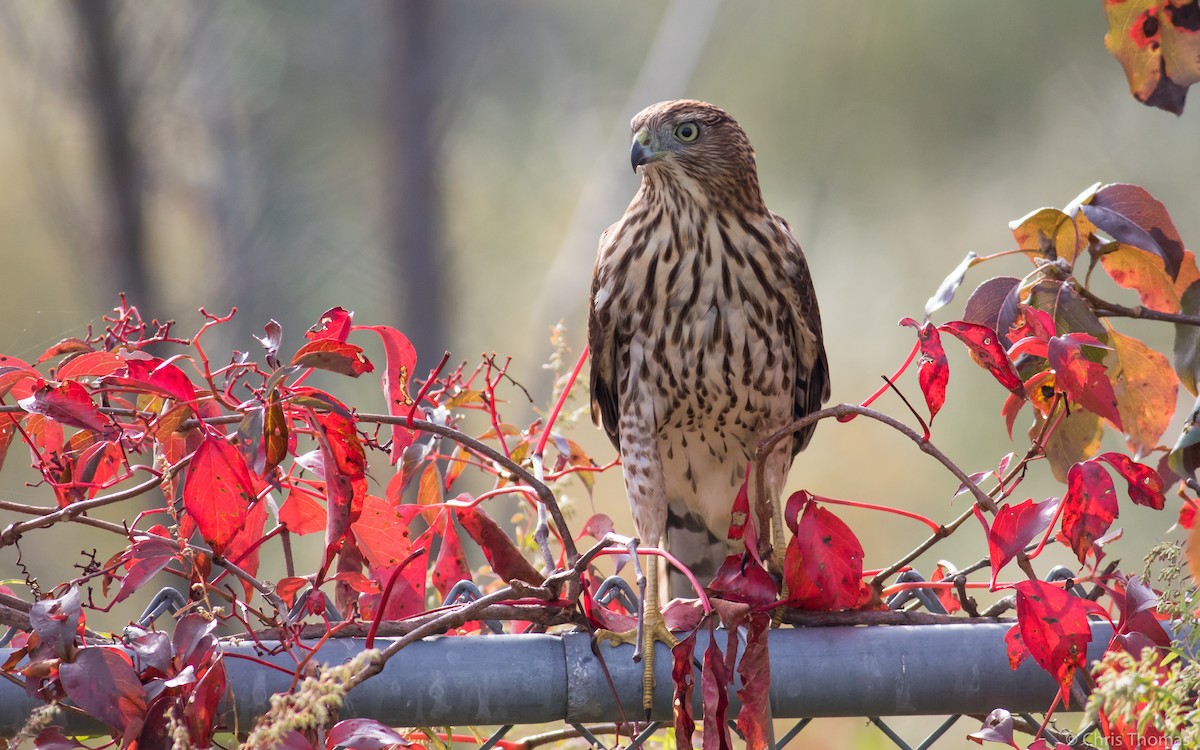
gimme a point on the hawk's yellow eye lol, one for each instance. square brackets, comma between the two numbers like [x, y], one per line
[687, 131]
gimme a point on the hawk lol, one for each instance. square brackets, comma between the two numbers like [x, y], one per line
[705, 337]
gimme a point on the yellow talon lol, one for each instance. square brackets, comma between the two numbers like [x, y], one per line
[651, 628]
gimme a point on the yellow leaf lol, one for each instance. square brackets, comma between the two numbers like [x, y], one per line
[1132, 39]
[1076, 438]
[1143, 272]
[1146, 388]
[429, 491]
[1048, 233]
[1193, 550]
[1188, 272]
[1181, 47]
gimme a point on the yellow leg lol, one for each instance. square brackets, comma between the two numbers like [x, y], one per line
[651, 627]
[778, 555]
[654, 628]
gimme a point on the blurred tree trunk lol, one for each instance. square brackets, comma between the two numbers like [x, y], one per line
[414, 190]
[123, 255]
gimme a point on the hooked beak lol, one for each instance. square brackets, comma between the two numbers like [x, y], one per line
[641, 153]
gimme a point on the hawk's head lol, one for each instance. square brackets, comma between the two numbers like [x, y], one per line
[688, 141]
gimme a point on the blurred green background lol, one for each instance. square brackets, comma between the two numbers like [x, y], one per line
[446, 167]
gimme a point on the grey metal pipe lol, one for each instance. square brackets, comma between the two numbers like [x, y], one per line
[526, 679]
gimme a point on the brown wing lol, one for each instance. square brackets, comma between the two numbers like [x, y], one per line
[604, 346]
[812, 371]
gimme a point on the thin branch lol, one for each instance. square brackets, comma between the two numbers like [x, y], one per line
[547, 615]
[1144, 313]
[845, 410]
[14, 531]
[922, 548]
[545, 496]
[810, 619]
[442, 622]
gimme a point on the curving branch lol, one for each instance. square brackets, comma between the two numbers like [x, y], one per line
[842, 411]
[544, 494]
[14, 531]
[1112, 309]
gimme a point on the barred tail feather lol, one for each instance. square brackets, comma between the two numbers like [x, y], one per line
[690, 541]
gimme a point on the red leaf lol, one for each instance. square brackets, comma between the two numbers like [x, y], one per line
[202, 709]
[103, 683]
[193, 640]
[933, 373]
[241, 550]
[1014, 528]
[741, 579]
[685, 685]
[143, 560]
[90, 365]
[348, 565]
[948, 597]
[334, 324]
[343, 464]
[1139, 626]
[218, 491]
[53, 739]
[1015, 645]
[987, 351]
[335, 356]
[287, 588]
[162, 377]
[71, 345]
[93, 469]
[1089, 507]
[382, 531]
[363, 734]
[17, 377]
[406, 596]
[358, 582]
[450, 567]
[740, 513]
[56, 621]
[597, 526]
[997, 727]
[1145, 484]
[301, 513]
[1187, 514]
[401, 362]
[823, 567]
[714, 678]
[506, 560]
[346, 449]
[1082, 380]
[68, 403]
[754, 718]
[1054, 627]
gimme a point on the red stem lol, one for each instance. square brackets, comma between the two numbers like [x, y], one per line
[883, 388]
[933, 525]
[562, 399]
[425, 388]
[387, 592]
[704, 602]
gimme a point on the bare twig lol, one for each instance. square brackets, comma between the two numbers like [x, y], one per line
[1111, 309]
[442, 622]
[882, 617]
[844, 410]
[546, 615]
[14, 531]
[545, 496]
